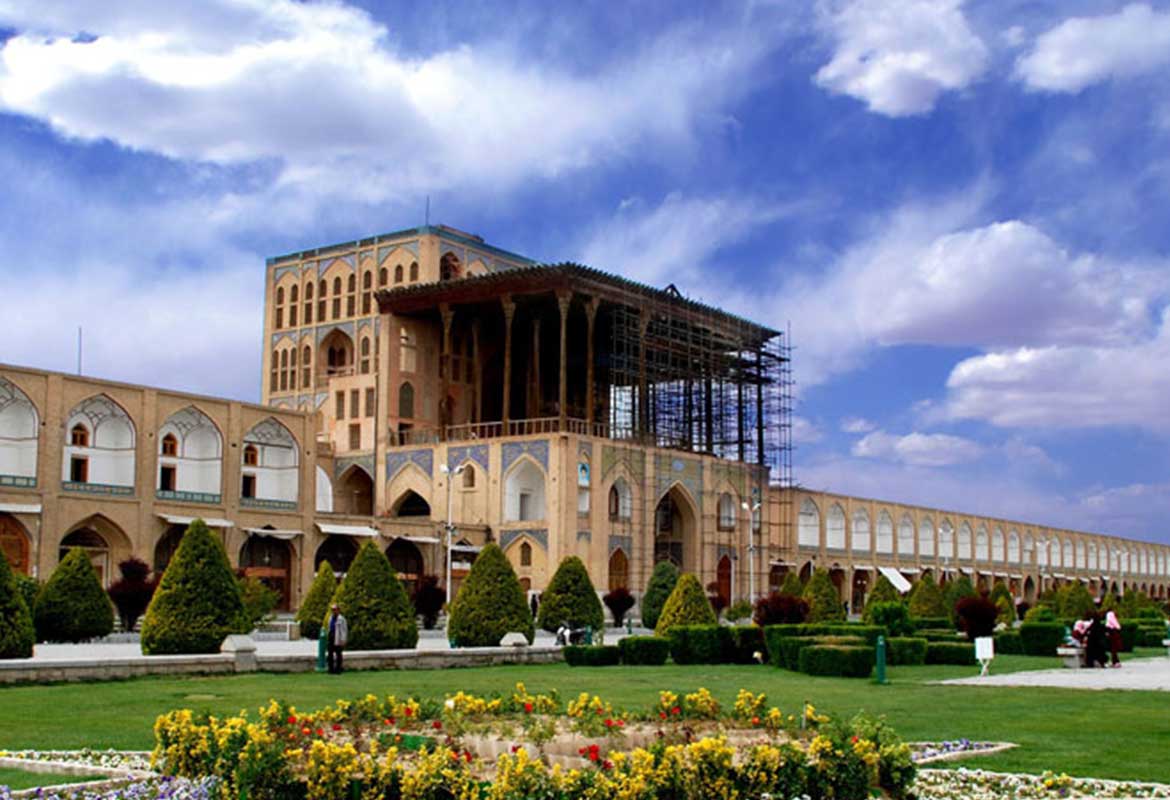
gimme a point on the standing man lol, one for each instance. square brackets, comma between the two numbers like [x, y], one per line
[338, 636]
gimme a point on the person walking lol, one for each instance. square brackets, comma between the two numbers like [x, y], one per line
[338, 636]
[1113, 630]
[534, 604]
[1095, 638]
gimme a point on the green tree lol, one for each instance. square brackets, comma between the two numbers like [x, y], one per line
[570, 597]
[1133, 602]
[1111, 602]
[926, 599]
[1074, 601]
[197, 603]
[16, 626]
[1005, 610]
[824, 602]
[317, 600]
[955, 591]
[375, 604]
[259, 602]
[662, 583]
[490, 603]
[791, 584]
[72, 606]
[687, 605]
[883, 592]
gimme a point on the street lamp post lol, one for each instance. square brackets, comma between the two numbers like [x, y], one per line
[450, 524]
[752, 509]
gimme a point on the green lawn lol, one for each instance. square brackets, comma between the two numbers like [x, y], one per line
[1123, 735]
[16, 779]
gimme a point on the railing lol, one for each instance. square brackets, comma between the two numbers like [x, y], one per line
[97, 488]
[474, 431]
[188, 497]
[272, 505]
[18, 481]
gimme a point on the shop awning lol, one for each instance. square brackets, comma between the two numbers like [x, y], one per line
[211, 522]
[420, 539]
[909, 570]
[863, 566]
[274, 534]
[347, 530]
[18, 508]
[465, 548]
[896, 578]
[779, 562]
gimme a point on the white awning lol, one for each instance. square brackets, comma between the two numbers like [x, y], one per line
[1016, 577]
[896, 578]
[966, 571]
[465, 548]
[347, 530]
[211, 522]
[909, 570]
[274, 534]
[1000, 574]
[779, 562]
[420, 539]
[17, 508]
[863, 566]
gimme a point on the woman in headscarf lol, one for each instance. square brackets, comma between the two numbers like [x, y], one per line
[1113, 629]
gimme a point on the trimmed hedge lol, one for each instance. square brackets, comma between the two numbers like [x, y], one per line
[687, 605]
[316, 606]
[962, 653]
[650, 651]
[791, 646]
[698, 644]
[938, 635]
[1009, 643]
[197, 603]
[745, 641]
[905, 651]
[375, 604]
[837, 660]
[72, 606]
[1041, 638]
[490, 603]
[1129, 636]
[16, 626]
[893, 616]
[931, 623]
[662, 581]
[774, 633]
[1149, 636]
[570, 597]
[592, 655]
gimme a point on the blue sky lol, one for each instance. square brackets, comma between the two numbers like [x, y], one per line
[960, 208]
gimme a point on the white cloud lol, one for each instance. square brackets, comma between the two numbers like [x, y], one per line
[898, 56]
[320, 89]
[918, 449]
[1083, 51]
[805, 431]
[857, 425]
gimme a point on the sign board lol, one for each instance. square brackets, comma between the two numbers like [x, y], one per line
[984, 652]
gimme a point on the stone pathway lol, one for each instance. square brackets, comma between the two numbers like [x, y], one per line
[1137, 674]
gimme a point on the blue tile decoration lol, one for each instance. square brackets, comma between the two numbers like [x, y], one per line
[424, 459]
[386, 250]
[97, 488]
[188, 497]
[344, 327]
[269, 505]
[724, 550]
[585, 536]
[540, 536]
[537, 450]
[343, 463]
[276, 337]
[476, 452]
[321, 398]
[18, 481]
[670, 469]
[623, 543]
[634, 460]
[281, 272]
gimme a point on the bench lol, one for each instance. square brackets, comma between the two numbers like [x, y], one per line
[1072, 657]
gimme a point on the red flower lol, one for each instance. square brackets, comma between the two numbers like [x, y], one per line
[621, 723]
[409, 711]
[607, 764]
[336, 727]
[436, 725]
[609, 723]
[389, 721]
[581, 751]
[600, 711]
[755, 720]
[467, 756]
[454, 756]
[515, 747]
[593, 756]
[292, 720]
[528, 708]
[676, 711]
[662, 715]
[306, 731]
[853, 740]
[320, 731]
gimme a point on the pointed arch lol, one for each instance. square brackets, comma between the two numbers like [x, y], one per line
[104, 541]
[861, 536]
[1013, 547]
[195, 470]
[675, 528]
[906, 536]
[407, 561]
[19, 434]
[275, 477]
[926, 537]
[524, 491]
[354, 492]
[410, 504]
[108, 457]
[726, 515]
[15, 543]
[946, 539]
[619, 570]
[339, 551]
[808, 528]
[335, 354]
[885, 532]
[835, 527]
[997, 545]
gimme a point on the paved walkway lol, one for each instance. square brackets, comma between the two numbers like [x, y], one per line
[1141, 674]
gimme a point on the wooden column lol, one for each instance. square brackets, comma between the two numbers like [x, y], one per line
[563, 301]
[478, 362]
[760, 456]
[509, 312]
[643, 416]
[534, 388]
[445, 415]
[590, 319]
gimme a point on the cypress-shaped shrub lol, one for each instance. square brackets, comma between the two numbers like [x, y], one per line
[72, 606]
[570, 597]
[926, 599]
[644, 650]
[29, 589]
[490, 603]
[955, 591]
[375, 604]
[16, 626]
[662, 582]
[197, 603]
[883, 592]
[1073, 601]
[824, 602]
[846, 661]
[312, 612]
[687, 605]
[792, 584]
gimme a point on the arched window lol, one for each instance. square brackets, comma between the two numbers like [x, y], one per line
[292, 369]
[524, 493]
[170, 445]
[621, 501]
[808, 533]
[468, 476]
[906, 536]
[835, 528]
[1013, 547]
[406, 400]
[413, 271]
[946, 539]
[322, 290]
[293, 299]
[279, 308]
[926, 537]
[525, 554]
[860, 531]
[726, 512]
[365, 363]
[619, 570]
[449, 267]
[306, 367]
[337, 298]
[283, 370]
[309, 303]
[251, 456]
[997, 545]
[79, 436]
[398, 274]
[965, 541]
[383, 276]
[885, 533]
[367, 291]
[351, 299]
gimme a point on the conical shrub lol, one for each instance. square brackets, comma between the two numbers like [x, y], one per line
[16, 626]
[72, 606]
[197, 603]
[570, 597]
[1075, 602]
[662, 583]
[375, 604]
[956, 590]
[883, 592]
[490, 603]
[792, 584]
[316, 604]
[926, 599]
[687, 605]
[824, 603]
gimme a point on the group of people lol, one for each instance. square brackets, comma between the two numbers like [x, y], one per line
[1097, 634]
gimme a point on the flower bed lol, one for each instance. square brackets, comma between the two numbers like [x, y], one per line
[524, 745]
[150, 789]
[935, 784]
[930, 752]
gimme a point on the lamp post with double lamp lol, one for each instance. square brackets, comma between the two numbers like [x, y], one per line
[450, 525]
[751, 509]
